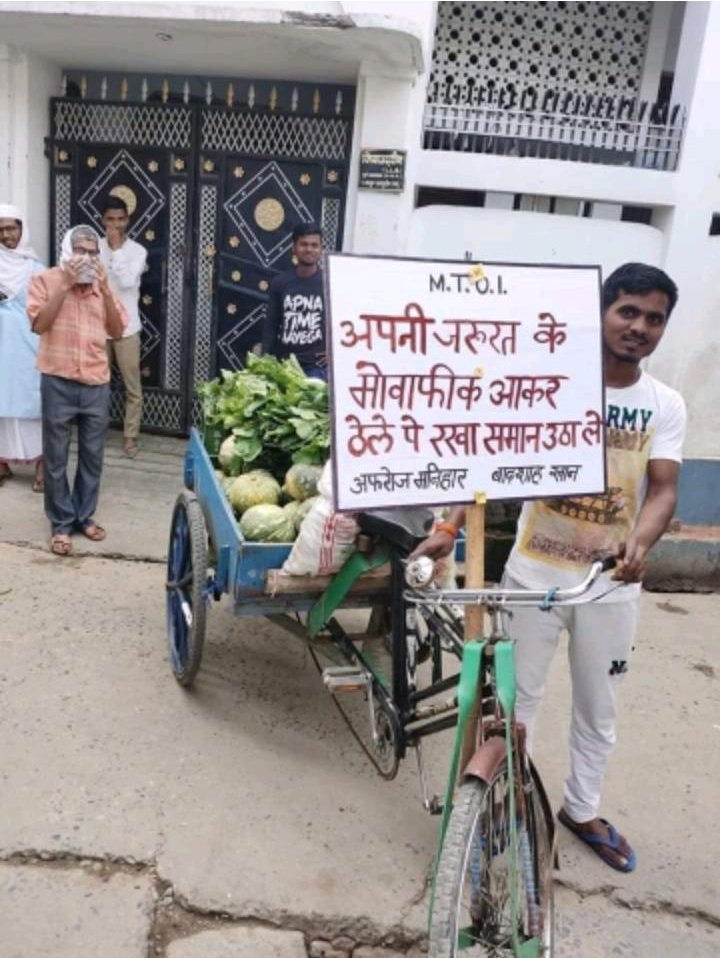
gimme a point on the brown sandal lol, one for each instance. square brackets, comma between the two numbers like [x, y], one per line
[94, 532]
[60, 544]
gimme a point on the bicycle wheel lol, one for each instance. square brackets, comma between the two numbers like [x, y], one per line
[186, 578]
[475, 879]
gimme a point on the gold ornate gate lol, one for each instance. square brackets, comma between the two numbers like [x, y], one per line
[215, 189]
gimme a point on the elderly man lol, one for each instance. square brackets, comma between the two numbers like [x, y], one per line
[20, 424]
[74, 311]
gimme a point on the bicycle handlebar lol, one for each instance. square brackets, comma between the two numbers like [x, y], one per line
[518, 597]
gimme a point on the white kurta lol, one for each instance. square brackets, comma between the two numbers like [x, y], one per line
[20, 440]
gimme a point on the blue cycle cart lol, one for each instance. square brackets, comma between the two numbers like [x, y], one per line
[375, 675]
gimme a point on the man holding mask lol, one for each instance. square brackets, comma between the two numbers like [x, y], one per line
[74, 311]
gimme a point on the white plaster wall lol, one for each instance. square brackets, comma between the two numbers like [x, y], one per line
[43, 82]
[455, 232]
[26, 85]
[689, 358]
[388, 116]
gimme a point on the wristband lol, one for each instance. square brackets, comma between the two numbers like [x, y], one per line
[449, 527]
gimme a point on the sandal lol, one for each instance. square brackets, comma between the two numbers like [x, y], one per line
[130, 448]
[60, 544]
[602, 845]
[38, 485]
[94, 532]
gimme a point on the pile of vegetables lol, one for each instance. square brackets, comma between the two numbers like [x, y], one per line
[277, 436]
[274, 415]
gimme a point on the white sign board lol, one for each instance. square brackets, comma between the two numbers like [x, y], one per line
[452, 379]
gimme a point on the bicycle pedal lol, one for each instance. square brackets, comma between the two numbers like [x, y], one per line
[346, 679]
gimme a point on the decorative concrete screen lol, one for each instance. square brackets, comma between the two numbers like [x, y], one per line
[596, 48]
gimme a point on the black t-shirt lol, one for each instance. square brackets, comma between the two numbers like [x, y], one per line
[295, 320]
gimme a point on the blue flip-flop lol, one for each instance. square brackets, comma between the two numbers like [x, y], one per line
[597, 843]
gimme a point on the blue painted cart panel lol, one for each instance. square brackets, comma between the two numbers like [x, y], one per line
[241, 565]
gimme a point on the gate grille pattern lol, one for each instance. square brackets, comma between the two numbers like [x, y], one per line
[123, 124]
[330, 222]
[62, 210]
[175, 272]
[191, 265]
[205, 268]
[318, 138]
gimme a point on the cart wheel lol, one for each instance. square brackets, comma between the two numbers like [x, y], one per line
[186, 579]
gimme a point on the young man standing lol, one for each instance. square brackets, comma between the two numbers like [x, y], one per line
[74, 311]
[645, 426]
[125, 261]
[295, 320]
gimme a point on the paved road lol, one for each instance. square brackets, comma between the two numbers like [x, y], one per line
[241, 819]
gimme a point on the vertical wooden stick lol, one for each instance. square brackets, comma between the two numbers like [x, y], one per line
[474, 614]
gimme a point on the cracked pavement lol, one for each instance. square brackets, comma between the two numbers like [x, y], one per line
[137, 819]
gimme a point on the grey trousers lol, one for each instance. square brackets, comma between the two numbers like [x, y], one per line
[64, 403]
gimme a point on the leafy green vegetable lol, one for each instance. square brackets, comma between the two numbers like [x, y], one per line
[275, 413]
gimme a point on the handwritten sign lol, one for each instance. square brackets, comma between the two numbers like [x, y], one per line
[382, 170]
[450, 379]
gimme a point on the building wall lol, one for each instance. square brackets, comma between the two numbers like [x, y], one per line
[26, 85]
[390, 107]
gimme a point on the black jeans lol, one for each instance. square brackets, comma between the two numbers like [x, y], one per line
[65, 403]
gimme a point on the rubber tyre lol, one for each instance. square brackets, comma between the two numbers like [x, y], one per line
[187, 566]
[467, 832]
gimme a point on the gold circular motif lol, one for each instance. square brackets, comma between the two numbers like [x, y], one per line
[234, 241]
[332, 176]
[263, 285]
[236, 276]
[92, 162]
[269, 214]
[153, 166]
[63, 156]
[210, 251]
[147, 299]
[150, 235]
[208, 166]
[232, 309]
[238, 172]
[179, 163]
[305, 179]
[127, 195]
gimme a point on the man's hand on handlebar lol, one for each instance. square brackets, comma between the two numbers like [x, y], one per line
[437, 545]
[633, 561]
[441, 542]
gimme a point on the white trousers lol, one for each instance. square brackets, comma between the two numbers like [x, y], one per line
[601, 638]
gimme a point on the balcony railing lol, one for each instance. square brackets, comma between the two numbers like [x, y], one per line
[612, 131]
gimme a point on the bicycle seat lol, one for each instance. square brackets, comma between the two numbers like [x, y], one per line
[405, 528]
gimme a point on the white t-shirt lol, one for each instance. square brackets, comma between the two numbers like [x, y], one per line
[125, 267]
[557, 539]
